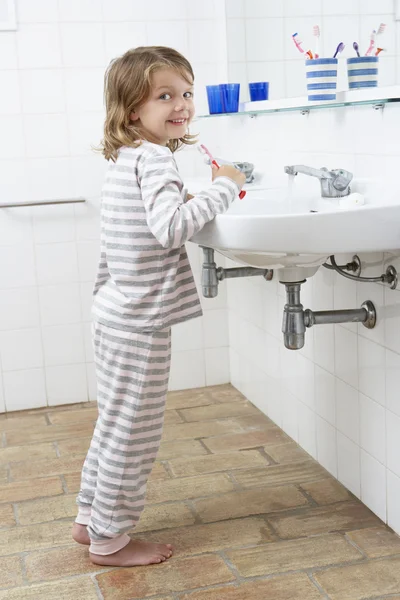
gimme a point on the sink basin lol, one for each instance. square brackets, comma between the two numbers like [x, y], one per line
[294, 230]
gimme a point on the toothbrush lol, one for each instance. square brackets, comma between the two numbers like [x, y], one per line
[379, 50]
[209, 159]
[381, 29]
[317, 34]
[371, 43]
[355, 46]
[339, 49]
[297, 42]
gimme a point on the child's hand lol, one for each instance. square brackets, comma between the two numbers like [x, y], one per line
[229, 171]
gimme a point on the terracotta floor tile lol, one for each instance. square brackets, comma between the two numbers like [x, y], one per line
[213, 537]
[7, 518]
[356, 582]
[58, 563]
[376, 541]
[327, 491]
[186, 398]
[290, 587]
[16, 437]
[241, 441]
[73, 416]
[196, 465]
[73, 481]
[81, 588]
[345, 516]
[47, 509]
[174, 575]
[158, 472]
[295, 555]
[287, 453]
[180, 448]
[17, 491]
[225, 393]
[255, 422]
[218, 411]
[11, 571]
[74, 447]
[3, 475]
[171, 417]
[249, 502]
[35, 537]
[31, 452]
[188, 487]
[281, 474]
[21, 422]
[199, 429]
[45, 467]
[164, 516]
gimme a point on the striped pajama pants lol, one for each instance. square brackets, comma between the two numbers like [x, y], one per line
[132, 371]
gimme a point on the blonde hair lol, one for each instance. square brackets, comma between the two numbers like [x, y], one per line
[127, 85]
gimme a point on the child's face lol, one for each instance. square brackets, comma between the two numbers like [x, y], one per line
[171, 98]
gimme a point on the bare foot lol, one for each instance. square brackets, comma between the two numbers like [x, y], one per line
[133, 554]
[80, 534]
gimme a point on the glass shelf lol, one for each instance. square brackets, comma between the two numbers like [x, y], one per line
[353, 98]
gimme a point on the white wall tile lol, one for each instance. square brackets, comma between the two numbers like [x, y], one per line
[17, 266]
[349, 464]
[216, 328]
[91, 381]
[66, 384]
[24, 389]
[60, 304]
[289, 414]
[392, 372]
[49, 179]
[8, 50]
[176, 35]
[13, 145]
[187, 370]
[63, 344]
[235, 9]
[80, 10]
[42, 91]
[187, 336]
[120, 37]
[371, 367]
[393, 495]
[88, 258]
[10, 103]
[326, 446]
[259, 30]
[40, 139]
[84, 89]
[373, 485]
[21, 349]
[217, 365]
[325, 395]
[16, 229]
[38, 46]
[53, 224]
[56, 263]
[85, 132]
[236, 39]
[346, 355]
[393, 446]
[294, 8]
[347, 411]
[82, 45]
[372, 428]
[45, 11]
[307, 428]
[19, 308]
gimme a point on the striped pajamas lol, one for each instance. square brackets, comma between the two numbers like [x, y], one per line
[143, 286]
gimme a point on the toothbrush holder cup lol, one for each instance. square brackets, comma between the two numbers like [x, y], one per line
[214, 98]
[321, 74]
[258, 90]
[362, 72]
[230, 96]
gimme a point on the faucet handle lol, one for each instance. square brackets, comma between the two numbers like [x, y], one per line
[341, 179]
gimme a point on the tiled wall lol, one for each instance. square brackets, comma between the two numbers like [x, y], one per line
[260, 47]
[338, 397]
[51, 112]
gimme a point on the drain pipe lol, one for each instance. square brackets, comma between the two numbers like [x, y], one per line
[212, 275]
[295, 319]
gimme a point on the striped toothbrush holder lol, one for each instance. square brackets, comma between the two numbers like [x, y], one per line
[362, 72]
[321, 76]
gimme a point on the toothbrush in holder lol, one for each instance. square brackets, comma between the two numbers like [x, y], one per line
[339, 49]
[211, 160]
[317, 34]
[371, 42]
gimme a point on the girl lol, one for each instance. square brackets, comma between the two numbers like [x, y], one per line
[143, 286]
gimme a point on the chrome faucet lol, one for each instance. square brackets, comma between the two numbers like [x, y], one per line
[334, 184]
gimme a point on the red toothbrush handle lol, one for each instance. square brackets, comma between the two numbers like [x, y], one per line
[242, 193]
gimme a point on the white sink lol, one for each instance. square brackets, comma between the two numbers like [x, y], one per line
[276, 228]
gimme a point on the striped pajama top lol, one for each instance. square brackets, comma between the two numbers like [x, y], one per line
[144, 281]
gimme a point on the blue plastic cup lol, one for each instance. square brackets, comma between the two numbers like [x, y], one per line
[230, 96]
[259, 90]
[214, 97]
